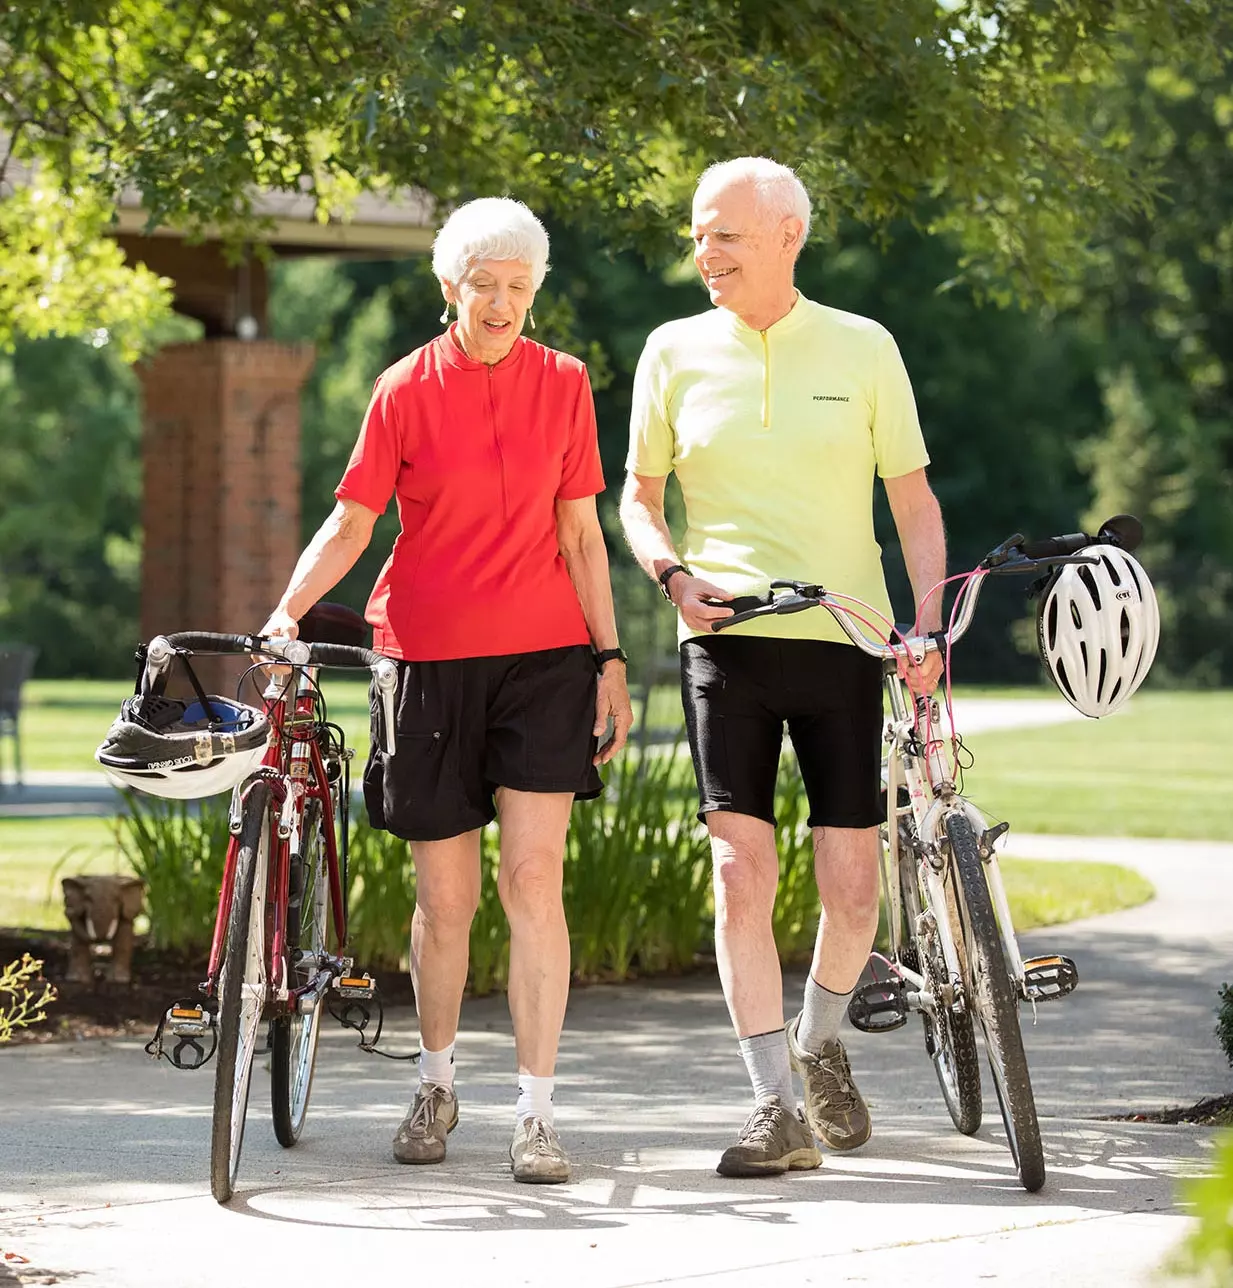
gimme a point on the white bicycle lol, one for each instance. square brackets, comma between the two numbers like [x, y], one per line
[953, 955]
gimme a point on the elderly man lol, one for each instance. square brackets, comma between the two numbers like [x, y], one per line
[775, 412]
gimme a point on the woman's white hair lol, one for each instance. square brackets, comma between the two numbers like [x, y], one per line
[780, 192]
[490, 228]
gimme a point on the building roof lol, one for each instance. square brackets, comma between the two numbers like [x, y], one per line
[375, 224]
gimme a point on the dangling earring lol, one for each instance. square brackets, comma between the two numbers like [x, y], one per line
[531, 319]
[445, 313]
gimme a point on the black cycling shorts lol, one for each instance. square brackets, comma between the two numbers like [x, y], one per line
[740, 690]
[470, 725]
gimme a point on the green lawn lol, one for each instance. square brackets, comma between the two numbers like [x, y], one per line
[35, 853]
[1045, 894]
[62, 721]
[1156, 769]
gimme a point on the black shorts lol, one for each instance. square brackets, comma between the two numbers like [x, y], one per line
[740, 690]
[470, 725]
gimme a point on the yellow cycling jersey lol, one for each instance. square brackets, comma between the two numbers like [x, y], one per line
[774, 437]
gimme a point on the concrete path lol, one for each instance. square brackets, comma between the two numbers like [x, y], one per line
[106, 1154]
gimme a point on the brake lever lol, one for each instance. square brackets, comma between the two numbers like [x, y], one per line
[385, 674]
[1002, 554]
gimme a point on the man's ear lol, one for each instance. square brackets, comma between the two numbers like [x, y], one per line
[793, 231]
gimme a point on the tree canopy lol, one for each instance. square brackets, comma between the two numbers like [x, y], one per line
[986, 118]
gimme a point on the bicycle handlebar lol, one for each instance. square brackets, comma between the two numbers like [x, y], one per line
[161, 650]
[1014, 555]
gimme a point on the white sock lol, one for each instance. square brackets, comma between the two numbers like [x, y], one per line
[535, 1097]
[437, 1066]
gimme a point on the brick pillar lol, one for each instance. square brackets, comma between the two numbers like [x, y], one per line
[221, 506]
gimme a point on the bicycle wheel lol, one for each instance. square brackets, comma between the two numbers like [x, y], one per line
[241, 995]
[993, 997]
[950, 1037]
[293, 1052]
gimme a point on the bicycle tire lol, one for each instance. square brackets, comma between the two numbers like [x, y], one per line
[293, 1045]
[950, 1036]
[993, 998]
[241, 998]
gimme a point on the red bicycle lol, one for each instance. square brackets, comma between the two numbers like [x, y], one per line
[284, 879]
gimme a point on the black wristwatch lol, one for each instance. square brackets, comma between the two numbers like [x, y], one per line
[667, 575]
[610, 655]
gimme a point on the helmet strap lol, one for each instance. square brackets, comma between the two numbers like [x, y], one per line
[210, 713]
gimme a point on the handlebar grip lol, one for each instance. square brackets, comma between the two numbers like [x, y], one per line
[211, 640]
[342, 655]
[1048, 547]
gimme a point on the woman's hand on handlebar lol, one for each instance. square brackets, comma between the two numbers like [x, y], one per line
[921, 677]
[692, 602]
[280, 622]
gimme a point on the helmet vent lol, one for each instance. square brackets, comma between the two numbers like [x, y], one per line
[1064, 680]
[1104, 671]
[1074, 616]
[1089, 580]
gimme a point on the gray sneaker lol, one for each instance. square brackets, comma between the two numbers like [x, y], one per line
[774, 1140]
[834, 1109]
[420, 1137]
[537, 1155]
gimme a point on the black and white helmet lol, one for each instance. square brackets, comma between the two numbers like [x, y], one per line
[177, 749]
[1098, 625]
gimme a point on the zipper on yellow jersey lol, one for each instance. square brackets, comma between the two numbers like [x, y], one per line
[766, 381]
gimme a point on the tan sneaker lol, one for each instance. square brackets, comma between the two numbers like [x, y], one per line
[420, 1137]
[774, 1140]
[834, 1109]
[537, 1155]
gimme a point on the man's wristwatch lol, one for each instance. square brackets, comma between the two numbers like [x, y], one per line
[610, 655]
[667, 575]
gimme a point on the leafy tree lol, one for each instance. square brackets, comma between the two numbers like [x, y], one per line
[70, 523]
[992, 112]
[1161, 302]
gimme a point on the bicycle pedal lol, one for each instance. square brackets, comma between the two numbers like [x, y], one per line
[194, 1030]
[878, 1007]
[1048, 978]
[189, 1021]
[361, 987]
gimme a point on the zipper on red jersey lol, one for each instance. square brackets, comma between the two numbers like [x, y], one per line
[496, 439]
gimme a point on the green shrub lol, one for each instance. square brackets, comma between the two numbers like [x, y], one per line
[1208, 1252]
[381, 897]
[24, 995]
[794, 921]
[1224, 1021]
[177, 848]
[637, 870]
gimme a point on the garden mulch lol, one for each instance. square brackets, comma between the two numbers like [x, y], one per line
[103, 1008]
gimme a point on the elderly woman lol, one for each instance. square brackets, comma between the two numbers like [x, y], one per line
[497, 600]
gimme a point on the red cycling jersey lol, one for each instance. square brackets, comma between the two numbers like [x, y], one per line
[477, 457]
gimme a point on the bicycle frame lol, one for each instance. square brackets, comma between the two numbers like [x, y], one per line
[294, 770]
[931, 796]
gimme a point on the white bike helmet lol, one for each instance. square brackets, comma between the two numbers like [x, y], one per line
[176, 749]
[1098, 625]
